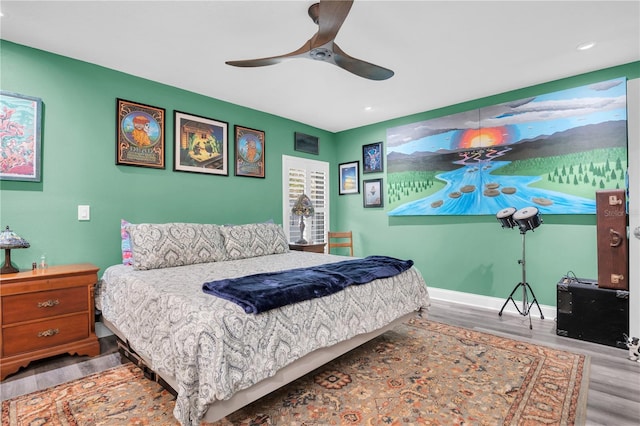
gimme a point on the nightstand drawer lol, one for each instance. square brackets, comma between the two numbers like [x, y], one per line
[44, 304]
[45, 334]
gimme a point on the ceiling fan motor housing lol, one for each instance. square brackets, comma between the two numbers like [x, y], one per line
[321, 54]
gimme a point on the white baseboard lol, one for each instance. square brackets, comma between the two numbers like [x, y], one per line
[489, 302]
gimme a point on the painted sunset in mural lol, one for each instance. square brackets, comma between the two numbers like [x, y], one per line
[552, 151]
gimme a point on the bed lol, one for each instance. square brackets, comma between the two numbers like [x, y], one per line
[214, 355]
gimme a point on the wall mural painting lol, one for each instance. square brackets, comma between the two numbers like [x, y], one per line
[552, 151]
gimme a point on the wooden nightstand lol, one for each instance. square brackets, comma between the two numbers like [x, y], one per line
[315, 248]
[46, 312]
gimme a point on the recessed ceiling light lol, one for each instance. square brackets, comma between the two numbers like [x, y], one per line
[586, 46]
[368, 108]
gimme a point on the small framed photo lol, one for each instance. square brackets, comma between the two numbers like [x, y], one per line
[372, 158]
[21, 157]
[372, 192]
[201, 144]
[306, 143]
[249, 147]
[349, 178]
[140, 130]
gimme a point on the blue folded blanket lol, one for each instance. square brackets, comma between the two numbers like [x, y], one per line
[262, 292]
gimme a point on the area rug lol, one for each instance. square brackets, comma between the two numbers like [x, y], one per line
[422, 372]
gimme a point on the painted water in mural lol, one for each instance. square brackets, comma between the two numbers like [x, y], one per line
[552, 151]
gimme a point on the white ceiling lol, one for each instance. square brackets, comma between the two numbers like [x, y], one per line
[442, 52]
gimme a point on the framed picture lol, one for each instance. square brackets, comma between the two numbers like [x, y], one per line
[200, 144]
[306, 143]
[372, 158]
[249, 149]
[140, 130]
[372, 192]
[21, 157]
[349, 178]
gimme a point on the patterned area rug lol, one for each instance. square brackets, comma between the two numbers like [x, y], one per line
[422, 372]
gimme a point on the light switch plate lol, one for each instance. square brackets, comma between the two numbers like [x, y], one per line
[84, 212]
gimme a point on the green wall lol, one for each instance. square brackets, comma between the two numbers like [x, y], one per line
[473, 254]
[461, 253]
[79, 133]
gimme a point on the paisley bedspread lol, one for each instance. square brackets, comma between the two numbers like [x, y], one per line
[213, 348]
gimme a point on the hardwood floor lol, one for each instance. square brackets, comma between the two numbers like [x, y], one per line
[614, 388]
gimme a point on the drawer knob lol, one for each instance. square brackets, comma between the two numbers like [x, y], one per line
[49, 303]
[48, 333]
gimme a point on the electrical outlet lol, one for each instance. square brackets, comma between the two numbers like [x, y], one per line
[84, 212]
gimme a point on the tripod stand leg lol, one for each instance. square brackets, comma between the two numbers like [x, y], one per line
[535, 300]
[510, 298]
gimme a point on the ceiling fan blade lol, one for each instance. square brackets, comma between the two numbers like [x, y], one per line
[359, 67]
[331, 14]
[272, 60]
[257, 62]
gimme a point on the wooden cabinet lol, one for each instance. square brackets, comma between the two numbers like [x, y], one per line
[611, 232]
[46, 312]
[315, 248]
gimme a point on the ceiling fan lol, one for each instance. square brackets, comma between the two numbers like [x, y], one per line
[329, 16]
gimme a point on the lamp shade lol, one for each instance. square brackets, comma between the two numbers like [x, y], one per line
[11, 240]
[303, 206]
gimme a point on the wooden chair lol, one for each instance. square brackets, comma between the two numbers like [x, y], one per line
[340, 239]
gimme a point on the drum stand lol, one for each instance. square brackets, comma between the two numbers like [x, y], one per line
[526, 306]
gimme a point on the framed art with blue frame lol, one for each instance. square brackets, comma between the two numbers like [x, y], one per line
[21, 143]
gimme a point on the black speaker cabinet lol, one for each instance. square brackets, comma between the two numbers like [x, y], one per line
[591, 313]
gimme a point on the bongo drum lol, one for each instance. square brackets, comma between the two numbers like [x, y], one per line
[505, 217]
[527, 218]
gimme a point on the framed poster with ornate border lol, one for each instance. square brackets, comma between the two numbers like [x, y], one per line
[140, 130]
[249, 147]
[21, 157]
[201, 144]
[349, 178]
